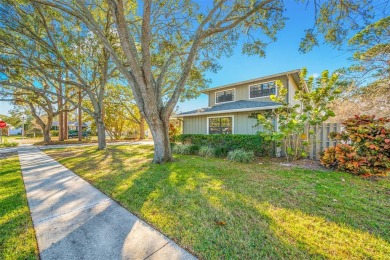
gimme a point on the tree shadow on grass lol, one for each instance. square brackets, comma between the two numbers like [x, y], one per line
[223, 210]
[201, 211]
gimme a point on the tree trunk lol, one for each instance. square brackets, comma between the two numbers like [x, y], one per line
[66, 124]
[162, 148]
[60, 126]
[46, 134]
[101, 131]
[80, 122]
[142, 128]
[60, 116]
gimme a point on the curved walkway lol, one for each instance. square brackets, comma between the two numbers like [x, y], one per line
[73, 220]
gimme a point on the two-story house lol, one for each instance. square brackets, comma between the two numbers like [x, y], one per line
[230, 106]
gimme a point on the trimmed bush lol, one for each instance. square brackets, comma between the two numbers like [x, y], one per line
[241, 155]
[221, 151]
[54, 133]
[206, 151]
[186, 149]
[221, 142]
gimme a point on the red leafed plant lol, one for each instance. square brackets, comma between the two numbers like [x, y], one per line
[366, 147]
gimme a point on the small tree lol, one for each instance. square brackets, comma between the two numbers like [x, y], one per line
[292, 125]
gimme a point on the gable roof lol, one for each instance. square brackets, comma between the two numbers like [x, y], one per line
[230, 107]
[296, 71]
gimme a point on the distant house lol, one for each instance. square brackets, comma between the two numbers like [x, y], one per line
[71, 126]
[14, 131]
[230, 106]
[11, 130]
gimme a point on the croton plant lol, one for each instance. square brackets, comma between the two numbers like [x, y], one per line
[363, 147]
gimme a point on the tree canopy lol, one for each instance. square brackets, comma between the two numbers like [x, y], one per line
[162, 49]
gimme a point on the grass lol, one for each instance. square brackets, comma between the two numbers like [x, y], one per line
[17, 239]
[6, 143]
[218, 209]
[91, 140]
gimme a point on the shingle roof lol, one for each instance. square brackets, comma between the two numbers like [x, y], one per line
[240, 105]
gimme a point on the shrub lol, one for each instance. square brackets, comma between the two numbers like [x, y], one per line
[54, 132]
[174, 130]
[225, 143]
[206, 151]
[368, 151]
[221, 151]
[241, 155]
[186, 149]
[328, 157]
[7, 143]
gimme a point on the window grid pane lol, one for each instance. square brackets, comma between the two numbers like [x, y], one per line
[262, 90]
[221, 125]
[224, 96]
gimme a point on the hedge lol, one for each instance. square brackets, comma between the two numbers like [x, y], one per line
[224, 143]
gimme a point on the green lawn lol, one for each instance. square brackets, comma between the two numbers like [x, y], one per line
[218, 209]
[17, 239]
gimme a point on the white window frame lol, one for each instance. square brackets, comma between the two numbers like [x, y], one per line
[215, 96]
[208, 122]
[249, 89]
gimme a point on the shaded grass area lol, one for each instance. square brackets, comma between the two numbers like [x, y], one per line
[92, 140]
[219, 209]
[17, 239]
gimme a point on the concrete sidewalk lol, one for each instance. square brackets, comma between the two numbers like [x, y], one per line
[73, 220]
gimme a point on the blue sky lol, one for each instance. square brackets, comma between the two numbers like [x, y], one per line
[282, 55]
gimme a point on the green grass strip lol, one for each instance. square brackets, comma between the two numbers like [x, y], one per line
[17, 237]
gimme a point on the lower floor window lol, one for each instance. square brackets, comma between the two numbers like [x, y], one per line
[220, 125]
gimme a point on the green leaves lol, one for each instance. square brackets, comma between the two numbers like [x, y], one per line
[296, 122]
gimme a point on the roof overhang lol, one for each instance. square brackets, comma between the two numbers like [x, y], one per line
[226, 111]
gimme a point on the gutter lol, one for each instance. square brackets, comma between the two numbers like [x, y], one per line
[226, 111]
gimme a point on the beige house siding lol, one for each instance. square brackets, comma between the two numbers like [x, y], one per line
[242, 91]
[293, 88]
[242, 124]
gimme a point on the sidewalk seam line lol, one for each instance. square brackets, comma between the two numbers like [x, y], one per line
[156, 251]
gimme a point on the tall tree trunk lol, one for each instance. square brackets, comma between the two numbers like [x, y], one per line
[60, 121]
[142, 128]
[46, 129]
[66, 124]
[46, 135]
[162, 148]
[101, 131]
[80, 132]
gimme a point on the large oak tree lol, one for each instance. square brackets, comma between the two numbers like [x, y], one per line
[165, 46]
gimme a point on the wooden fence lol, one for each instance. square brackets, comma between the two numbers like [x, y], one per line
[320, 141]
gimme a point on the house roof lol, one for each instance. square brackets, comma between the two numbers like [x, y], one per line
[70, 123]
[296, 71]
[236, 106]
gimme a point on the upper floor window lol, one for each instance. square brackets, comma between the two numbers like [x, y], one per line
[224, 96]
[262, 90]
